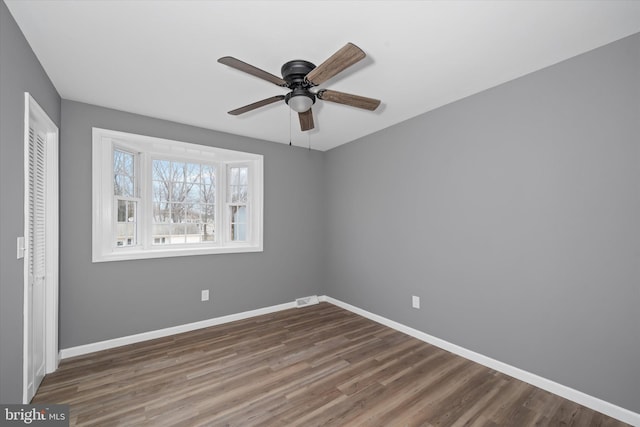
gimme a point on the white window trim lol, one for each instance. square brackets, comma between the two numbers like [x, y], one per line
[103, 243]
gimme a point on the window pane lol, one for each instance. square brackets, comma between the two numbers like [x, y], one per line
[195, 211]
[175, 190]
[192, 233]
[128, 188]
[118, 162]
[122, 211]
[160, 191]
[161, 212]
[123, 185]
[131, 211]
[233, 176]
[208, 175]
[117, 185]
[123, 173]
[161, 233]
[244, 176]
[237, 190]
[193, 193]
[240, 232]
[233, 191]
[161, 230]
[186, 172]
[208, 193]
[238, 223]
[192, 213]
[177, 212]
[123, 163]
[183, 195]
[125, 234]
[192, 173]
[161, 170]
[208, 232]
[126, 223]
[208, 212]
[128, 164]
[208, 187]
[177, 234]
[178, 171]
[238, 213]
[242, 193]
[185, 191]
[239, 193]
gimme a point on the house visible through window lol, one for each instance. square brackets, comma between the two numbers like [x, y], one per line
[157, 198]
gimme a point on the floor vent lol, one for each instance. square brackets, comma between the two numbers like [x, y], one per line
[303, 302]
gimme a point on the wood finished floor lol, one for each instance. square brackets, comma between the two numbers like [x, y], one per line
[320, 365]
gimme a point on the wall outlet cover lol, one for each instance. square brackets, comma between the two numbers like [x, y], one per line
[204, 296]
[415, 301]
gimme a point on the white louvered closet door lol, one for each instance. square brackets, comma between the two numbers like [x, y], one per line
[37, 255]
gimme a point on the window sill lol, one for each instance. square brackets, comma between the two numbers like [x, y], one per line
[133, 254]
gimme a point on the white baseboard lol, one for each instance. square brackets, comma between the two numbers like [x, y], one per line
[579, 397]
[145, 336]
[569, 393]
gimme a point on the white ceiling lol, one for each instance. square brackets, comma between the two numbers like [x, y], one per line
[158, 58]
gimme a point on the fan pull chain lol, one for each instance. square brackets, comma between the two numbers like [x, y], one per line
[309, 139]
[289, 127]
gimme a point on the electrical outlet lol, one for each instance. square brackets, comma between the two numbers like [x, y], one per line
[204, 296]
[415, 301]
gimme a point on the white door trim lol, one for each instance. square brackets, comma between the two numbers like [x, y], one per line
[31, 108]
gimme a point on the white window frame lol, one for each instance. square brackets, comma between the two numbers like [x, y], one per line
[150, 148]
[126, 148]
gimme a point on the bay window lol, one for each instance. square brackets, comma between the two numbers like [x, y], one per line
[154, 198]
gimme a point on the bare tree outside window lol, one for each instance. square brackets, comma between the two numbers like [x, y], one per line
[183, 202]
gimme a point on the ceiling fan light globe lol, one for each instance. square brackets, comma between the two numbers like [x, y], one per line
[300, 103]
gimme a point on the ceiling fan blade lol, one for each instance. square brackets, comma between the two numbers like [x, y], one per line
[349, 99]
[250, 69]
[255, 105]
[348, 55]
[306, 120]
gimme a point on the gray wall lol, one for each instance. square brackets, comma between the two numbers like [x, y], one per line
[113, 299]
[20, 72]
[515, 215]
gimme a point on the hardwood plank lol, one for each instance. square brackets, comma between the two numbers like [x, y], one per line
[320, 365]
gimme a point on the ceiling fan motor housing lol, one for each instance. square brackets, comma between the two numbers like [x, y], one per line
[294, 72]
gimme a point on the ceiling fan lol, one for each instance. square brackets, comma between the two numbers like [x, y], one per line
[300, 76]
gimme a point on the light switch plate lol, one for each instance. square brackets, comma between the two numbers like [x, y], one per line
[20, 245]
